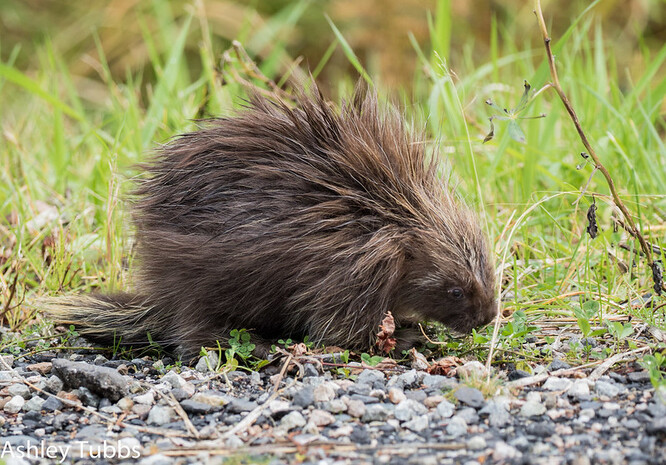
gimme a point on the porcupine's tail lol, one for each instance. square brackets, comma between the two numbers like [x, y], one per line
[112, 320]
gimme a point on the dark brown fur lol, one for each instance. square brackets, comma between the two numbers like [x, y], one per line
[294, 222]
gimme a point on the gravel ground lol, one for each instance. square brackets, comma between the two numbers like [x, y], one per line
[122, 411]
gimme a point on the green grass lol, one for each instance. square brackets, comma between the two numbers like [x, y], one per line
[68, 145]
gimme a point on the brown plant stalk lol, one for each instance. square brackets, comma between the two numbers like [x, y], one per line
[630, 225]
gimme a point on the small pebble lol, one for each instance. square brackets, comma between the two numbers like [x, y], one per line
[161, 415]
[476, 443]
[292, 420]
[321, 417]
[469, 396]
[445, 409]
[557, 384]
[457, 426]
[19, 389]
[396, 395]
[15, 405]
[532, 409]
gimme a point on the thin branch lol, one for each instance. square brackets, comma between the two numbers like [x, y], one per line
[632, 229]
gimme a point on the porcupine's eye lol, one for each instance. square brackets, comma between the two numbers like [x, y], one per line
[457, 293]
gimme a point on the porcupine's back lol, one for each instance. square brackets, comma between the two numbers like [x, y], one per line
[302, 221]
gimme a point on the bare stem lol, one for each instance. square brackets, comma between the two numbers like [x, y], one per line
[555, 84]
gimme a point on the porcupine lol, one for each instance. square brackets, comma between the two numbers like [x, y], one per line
[293, 221]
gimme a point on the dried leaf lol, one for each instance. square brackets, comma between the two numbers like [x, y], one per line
[592, 228]
[386, 364]
[297, 349]
[657, 277]
[491, 134]
[445, 366]
[385, 340]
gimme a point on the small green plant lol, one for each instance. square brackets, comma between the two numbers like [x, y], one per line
[240, 344]
[655, 365]
[237, 356]
[514, 333]
[619, 331]
[70, 334]
[584, 313]
[344, 371]
[503, 114]
[308, 343]
[371, 360]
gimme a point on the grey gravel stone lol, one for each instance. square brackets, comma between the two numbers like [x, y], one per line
[658, 426]
[19, 389]
[321, 417]
[407, 409]
[304, 397]
[367, 400]
[418, 395]
[639, 377]
[103, 381]
[504, 452]
[213, 398]
[476, 443]
[310, 370]
[457, 426]
[558, 364]
[174, 380]
[542, 429]
[408, 379]
[607, 388]
[371, 378]
[445, 409]
[469, 396]
[7, 362]
[87, 397]
[196, 408]
[355, 408]
[54, 384]
[147, 398]
[93, 432]
[469, 414]
[161, 415]
[336, 406]
[497, 410]
[360, 435]
[439, 382]
[181, 394]
[579, 389]
[532, 409]
[324, 392]
[238, 405]
[14, 405]
[375, 412]
[471, 369]
[417, 424]
[292, 420]
[34, 404]
[52, 404]
[557, 384]
[657, 409]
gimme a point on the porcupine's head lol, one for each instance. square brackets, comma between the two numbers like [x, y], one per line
[450, 277]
